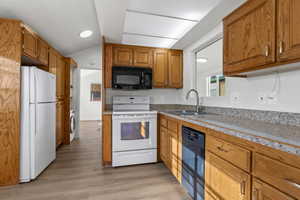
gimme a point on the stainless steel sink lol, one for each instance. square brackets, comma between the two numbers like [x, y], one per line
[187, 113]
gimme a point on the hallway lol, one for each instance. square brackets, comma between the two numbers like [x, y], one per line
[77, 174]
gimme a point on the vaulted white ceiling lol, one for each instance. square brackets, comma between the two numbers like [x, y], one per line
[58, 21]
[150, 22]
[157, 23]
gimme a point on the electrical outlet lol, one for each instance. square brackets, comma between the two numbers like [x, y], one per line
[235, 98]
[262, 99]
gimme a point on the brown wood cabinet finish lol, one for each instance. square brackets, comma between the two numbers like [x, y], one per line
[167, 64]
[60, 77]
[143, 57]
[160, 68]
[249, 36]
[173, 152]
[288, 33]
[107, 139]
[43, 52]
[10, 61]
[164, 146]
[263, 191]
[175, 69]
[53, 57]
[236, 155]
[225, 181]
[228, 172]
[282, 176]
[123, 56]
[59, 122]
[108, 62]
[170, 145]
[30, 43]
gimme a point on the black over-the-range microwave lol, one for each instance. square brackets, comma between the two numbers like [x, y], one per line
[131, 78]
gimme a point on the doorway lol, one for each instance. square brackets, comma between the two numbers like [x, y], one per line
[90, 95]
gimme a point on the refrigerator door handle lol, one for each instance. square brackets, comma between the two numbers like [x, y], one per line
[35, 97]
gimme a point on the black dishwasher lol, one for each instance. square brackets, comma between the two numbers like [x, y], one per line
[193, 160]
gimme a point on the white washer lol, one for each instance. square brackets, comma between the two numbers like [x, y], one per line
[72, 125]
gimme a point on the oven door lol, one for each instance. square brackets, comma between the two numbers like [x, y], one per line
[134, 132]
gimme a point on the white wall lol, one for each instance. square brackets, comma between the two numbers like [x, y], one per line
[246, 92]
[158, 96]
[90, 58]
[89, 110]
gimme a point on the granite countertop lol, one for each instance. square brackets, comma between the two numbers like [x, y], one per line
[282, 137]
[278, 136]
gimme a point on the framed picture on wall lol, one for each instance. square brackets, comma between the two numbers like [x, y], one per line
[95, 92]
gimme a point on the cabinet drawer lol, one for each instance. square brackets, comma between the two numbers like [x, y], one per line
[236, 155]
[284, 177]
[173, 125]
[163, 122]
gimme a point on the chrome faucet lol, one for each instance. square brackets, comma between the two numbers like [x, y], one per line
[198, 106]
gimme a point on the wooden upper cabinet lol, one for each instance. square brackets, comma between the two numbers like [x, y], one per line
[60, 78]
[224, 181]
[262, 191]
[249, 36]
[108, 62]
[143, 57]
[123, 56]
[175, 63]
[53, 56]
[288, 42]
[43, 52]
[30, 43]
[160, 68]
[167, 65]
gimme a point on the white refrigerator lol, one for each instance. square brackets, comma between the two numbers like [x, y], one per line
[38, 126]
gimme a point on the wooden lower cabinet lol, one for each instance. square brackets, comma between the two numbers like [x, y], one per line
[107, 139]
[169, 146]
[164, 146]
[59, 122]
[223, 181]
[173, 140]
[228, 173]
[263, 191]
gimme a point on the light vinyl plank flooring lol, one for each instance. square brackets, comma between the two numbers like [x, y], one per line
[77, 174]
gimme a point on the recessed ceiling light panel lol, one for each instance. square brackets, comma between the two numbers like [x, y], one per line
[202, 60]
[86, 34]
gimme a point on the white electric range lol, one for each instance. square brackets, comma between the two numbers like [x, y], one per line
[134, 131]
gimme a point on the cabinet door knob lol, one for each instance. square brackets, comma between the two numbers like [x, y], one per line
[267, 51]
[281, 47]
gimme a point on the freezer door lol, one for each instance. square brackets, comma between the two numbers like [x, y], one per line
[42, 86]
[44, 137]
